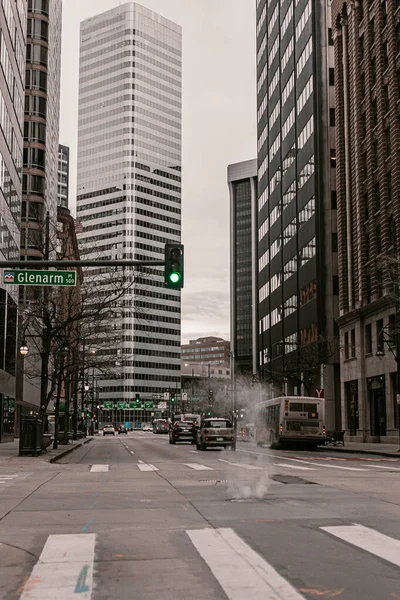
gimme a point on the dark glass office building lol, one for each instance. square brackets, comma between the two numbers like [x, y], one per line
[297, 239]
[242, 182]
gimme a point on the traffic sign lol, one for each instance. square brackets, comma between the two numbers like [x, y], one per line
[27, 277]
[162, 406]
[149, 405]
[122, 405]
[108, 405]
[166, 395]
[136, 404]
[184, 396]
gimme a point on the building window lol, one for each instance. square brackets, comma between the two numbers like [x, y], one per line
[389, 187]
[352, 343]
[387, 141]
[368, 339]
[377, 198]
[386, 98]
[372, 31]
[333, 200]
[332, 117]
[392, 233]
[331, 76]
[333, 158]
[334, 242]
[379, 336]
[378, 239]
[373, 70]
[330, 36]
[346, 345]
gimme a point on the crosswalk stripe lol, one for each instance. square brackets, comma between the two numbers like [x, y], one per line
[242, 465]
[315, 464]
[368, 539]
[237, 567]
[146, 467]
[198, 467]
[65, 565]
[99, 469]
[294, 467]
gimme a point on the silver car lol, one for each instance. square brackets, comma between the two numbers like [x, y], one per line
[215, 433]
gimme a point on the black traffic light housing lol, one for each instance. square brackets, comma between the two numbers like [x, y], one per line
[172, 397]
[173, 268]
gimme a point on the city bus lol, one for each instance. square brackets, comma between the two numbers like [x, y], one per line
[290, 420]
[188, 417]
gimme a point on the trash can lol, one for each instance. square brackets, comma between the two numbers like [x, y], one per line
[30, 436]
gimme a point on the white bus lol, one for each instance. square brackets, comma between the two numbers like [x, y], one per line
[187, 417]
[290, 420]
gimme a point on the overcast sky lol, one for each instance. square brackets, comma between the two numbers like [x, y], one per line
[219, 128]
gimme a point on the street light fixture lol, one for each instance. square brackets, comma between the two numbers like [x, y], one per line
[24, 348]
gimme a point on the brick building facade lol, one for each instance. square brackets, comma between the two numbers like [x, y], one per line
[367, 80]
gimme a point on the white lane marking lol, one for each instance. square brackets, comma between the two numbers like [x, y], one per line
[240, 571]
[131, 451]
[198, 467]
[382, 467]
[368, 539]
[99, 469]
[145, 467]
[306, 462]
[65, 565]
[242, 465]
[141, 461]
[194, 451]
[294, 467]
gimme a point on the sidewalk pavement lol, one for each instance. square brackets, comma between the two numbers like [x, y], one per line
[10, 450]
[357, 448]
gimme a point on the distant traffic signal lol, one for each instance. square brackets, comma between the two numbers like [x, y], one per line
[137, 397]
[172, 397]
[173, 268]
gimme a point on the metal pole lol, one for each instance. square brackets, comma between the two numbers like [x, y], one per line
[397, 330]
[76, 391]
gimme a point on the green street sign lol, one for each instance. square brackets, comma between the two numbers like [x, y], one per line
[108, 405]
[149, 405]
[26, 277]
[197, 398]
[122, 405]
[136, 404]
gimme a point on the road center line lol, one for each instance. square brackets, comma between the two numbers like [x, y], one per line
[240, 570]
[146, 467]
[368, 539]
[99, 469]
[64, 568]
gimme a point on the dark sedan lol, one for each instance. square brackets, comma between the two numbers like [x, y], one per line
[182, 431]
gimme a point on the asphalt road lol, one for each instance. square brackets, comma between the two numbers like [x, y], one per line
[132, 517]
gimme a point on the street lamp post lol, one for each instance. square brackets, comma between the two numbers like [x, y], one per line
[396, 354]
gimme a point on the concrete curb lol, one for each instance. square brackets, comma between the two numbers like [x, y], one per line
[68, 450]
[339, 449]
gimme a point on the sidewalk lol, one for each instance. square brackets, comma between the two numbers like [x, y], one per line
[9, 451]
[356, 448]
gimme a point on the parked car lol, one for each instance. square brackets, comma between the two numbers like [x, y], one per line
[215, 432]
[147, 428]
[108, 430]
[182, 431]
[122, 429]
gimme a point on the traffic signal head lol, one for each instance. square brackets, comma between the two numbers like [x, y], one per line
[209, 413]
[173, 268]
[137, 396]
[172, 398]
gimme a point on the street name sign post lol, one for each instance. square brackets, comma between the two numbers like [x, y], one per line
[28, 277]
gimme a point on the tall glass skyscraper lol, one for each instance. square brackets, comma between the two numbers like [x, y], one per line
[129, 184]
[297, 234]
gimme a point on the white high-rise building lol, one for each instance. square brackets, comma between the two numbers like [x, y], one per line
[129, 184]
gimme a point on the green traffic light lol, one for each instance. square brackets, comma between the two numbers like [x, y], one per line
[175, 277]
